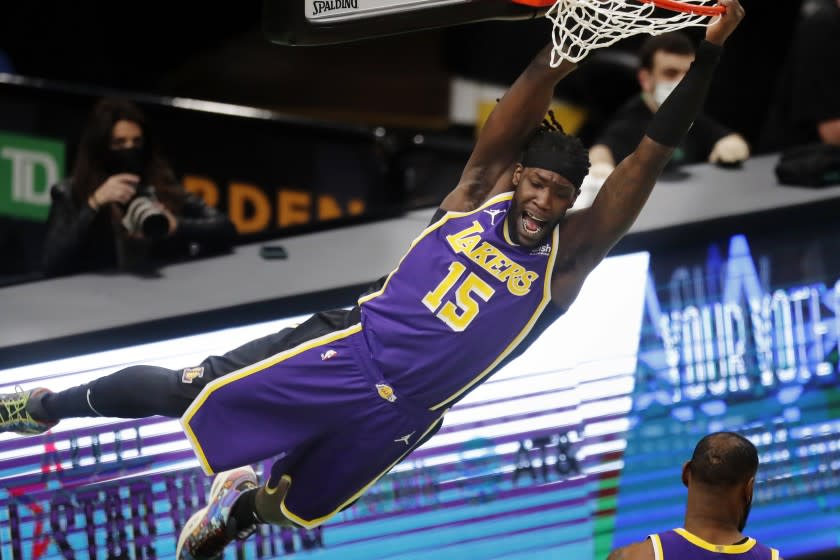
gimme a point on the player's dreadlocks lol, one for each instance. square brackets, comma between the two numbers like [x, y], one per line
[551, 148]
[550, 122]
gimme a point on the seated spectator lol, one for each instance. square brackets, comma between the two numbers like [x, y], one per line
[806, 104]
[122, 207]
[720, 478]
[664, 60]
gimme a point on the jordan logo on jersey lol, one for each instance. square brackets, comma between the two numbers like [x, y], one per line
[404, 439]
[493, 214]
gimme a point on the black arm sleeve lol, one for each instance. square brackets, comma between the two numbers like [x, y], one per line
[675, 115]
[67, 227]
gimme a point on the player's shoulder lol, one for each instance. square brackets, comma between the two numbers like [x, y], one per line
[634, 551]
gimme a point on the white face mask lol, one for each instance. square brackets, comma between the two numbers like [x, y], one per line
[663, 90]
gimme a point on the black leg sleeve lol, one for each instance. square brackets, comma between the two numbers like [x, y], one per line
[133, 392]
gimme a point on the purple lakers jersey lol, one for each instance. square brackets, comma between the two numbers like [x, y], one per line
[461, 300]
[679, 544]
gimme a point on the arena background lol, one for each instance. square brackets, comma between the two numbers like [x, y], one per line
[563, 453]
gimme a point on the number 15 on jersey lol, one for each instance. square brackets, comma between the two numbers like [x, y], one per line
[458, 317]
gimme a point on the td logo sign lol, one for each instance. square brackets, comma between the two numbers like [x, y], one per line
[29, 166]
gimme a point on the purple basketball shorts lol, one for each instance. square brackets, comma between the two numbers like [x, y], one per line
[322, 407]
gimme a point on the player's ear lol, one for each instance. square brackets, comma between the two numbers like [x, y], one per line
[517, 174]
[686, 473]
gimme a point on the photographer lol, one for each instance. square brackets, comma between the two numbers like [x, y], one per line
[122, 207]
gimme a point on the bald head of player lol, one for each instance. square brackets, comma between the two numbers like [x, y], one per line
[546, 184]
[720, 477]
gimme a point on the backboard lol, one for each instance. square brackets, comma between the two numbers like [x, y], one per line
[324, 22]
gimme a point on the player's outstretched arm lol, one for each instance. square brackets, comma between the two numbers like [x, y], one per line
[626, 190]
[508, 127]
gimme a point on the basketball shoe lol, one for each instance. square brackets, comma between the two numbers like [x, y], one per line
[210, 529]
[16, 411]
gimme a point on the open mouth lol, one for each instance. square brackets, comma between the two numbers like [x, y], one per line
[531, 224]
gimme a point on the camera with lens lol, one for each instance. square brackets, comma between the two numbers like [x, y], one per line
[142, 215]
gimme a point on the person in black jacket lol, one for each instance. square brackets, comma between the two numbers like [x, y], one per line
[122, 207]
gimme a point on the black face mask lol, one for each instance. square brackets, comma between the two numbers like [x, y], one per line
[128, 160]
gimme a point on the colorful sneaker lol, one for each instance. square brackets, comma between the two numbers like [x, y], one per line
[207, 532]
[16, 412]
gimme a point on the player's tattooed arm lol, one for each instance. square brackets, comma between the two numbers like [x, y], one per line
[508, 128]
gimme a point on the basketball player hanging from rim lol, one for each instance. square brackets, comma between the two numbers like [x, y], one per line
[347, 395]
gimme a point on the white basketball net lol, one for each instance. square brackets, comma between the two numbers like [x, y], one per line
[581, 26]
